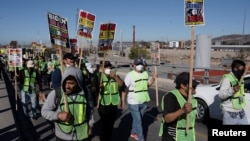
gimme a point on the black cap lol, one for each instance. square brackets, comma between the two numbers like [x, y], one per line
[69, 56]
[138, 61]
[183, 78]
[106, 64]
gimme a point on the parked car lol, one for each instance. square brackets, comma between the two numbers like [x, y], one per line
[209, 101]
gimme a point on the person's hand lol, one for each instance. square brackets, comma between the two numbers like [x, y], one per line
[123, 105]
[187, 108]
[236, 88]
[112, 74]
[155, 75]
[63, 116]
[90, 130]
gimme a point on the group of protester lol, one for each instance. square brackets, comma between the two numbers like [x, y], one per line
[78, 90]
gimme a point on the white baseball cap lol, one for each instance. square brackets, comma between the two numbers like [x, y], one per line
[30, 64]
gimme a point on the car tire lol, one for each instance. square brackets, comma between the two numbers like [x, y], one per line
[202, 111]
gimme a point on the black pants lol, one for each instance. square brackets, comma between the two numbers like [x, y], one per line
[107, 116]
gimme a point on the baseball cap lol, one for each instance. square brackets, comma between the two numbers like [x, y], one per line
[138, 61]
[30, 64]
[69, 56]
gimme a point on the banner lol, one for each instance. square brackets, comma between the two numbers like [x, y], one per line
[58, 28]
[155, 53]
[15, 57]
[194, 12]
[106, 36]
[73, 46]
[85, 24]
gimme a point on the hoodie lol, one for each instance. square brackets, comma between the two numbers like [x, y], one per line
[49, 110]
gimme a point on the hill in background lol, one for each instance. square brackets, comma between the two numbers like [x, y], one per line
[233, 39]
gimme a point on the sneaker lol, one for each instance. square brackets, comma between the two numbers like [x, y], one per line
[134, 135]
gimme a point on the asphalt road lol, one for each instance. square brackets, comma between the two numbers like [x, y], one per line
[40, 129]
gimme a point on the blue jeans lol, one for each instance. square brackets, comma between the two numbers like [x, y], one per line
[26, 98]
[137, 111]
[234, 118]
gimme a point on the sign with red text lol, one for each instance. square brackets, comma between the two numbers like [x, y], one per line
[85, 26]
[106, 36]
[59, 35]
[73, 45]
[194, 12]
[15, 57]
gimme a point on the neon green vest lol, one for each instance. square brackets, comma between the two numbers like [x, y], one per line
[181, 123]
[42, 66]
[84, 71]
[78, 123]
[55, 63]
[29, 81]
[238, 99]
[110, 94]
[11, 69]
[141, 86]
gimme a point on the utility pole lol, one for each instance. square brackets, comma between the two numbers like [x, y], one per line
[243, 28]
[121, 49]
[133, 35]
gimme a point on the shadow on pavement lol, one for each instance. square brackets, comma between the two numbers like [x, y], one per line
[24, 125]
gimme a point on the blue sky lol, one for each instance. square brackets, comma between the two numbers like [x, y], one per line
[163, 20]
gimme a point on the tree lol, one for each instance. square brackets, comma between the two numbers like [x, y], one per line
[137, 51]
[13, 44]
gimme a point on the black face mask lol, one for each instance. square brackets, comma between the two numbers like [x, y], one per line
[238, 74]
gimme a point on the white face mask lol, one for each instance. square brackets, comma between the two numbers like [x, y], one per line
[90, 69]
[139, 67]
[107, 71]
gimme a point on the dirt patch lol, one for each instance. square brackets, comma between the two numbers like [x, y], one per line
[180, 56]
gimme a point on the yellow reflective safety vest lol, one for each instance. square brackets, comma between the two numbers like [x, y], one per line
[238, 99]
[110, 92]
[78, 123]
[11, 69]
[29, 81]
[181, 134]
[42, 66]
[141, 86]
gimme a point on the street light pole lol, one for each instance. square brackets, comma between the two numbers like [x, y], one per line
[243, 30]
[222, 37]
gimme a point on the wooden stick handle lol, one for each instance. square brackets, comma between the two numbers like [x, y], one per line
[190, 75]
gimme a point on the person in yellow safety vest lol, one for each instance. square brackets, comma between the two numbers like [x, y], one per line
[175, 107]
[109, 99]
[24, 66]
[232, 95]
[137, 82]
[75, 123]
[11, 70]
[43, 68]
[29, 77]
